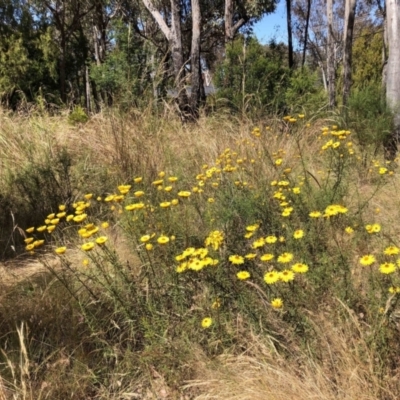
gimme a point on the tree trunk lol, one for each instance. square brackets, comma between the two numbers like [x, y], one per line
[177, 57]
[350, 11]
[289, 30]
[331, 56]
[230, 28]
[195, 66]
[174, 37]
[393, 73]
[306, 33]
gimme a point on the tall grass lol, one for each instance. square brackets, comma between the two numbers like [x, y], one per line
[183, 260]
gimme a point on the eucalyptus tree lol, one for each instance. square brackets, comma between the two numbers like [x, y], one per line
[393, 71]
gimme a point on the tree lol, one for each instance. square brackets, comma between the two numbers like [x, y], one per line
[393, 71]
[350, 12]
[330, 59]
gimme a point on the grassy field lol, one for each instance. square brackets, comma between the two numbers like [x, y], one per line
[228, 259]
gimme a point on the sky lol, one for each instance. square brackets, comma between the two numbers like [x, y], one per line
[273, 26]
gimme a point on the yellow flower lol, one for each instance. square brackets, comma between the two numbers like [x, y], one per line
[235, 259]
[243, 275]
[149, 246]
[391, 250]
[30, 247]
[51, 228]
[298, 234]
[271, 239]
[258, 243]
[184, 193]
[69, 218]
[373, 228]
[101, 240]
[387, 268]
[296, 190]
[62, 207]
[138, 179]
[105, 225]
[252, 228]
[80, 218]
[51, 216]
[61, 214]
[174, 202]
[28, 240]
[214, 239]
[277, 303]
[87, 246]
[88, 196]
[157, 182]
[206, 322]
[335, 209]
[165, 204]
[267, 257]
[285, 258]
[38, 243]
[172, 178]
[30, 230]
[315, 214]
[394, 289]
[367, 259]
[61, 250]
[85, 262]
[196, 264]
[250, 256]
[55, 221]
[168, 188]
[383, 170]
[271, 277]
[286, 275]
[163, 239]
[300, 268]
[138, 193]
[349, 230]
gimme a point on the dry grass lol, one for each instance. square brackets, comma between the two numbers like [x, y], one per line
[340, 366]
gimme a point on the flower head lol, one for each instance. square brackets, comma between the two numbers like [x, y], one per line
[387, 268]
[391, 250]
[236, 259]
[163, 239]
[206, 322]
[286, 276]
[87, 246]
[298, 234]
[267, 257]
[101, 240]
[243, 275]
[60, 250]
[271, 277]
[300, 268]
[277, 303]
[368, 259]
[285, 258]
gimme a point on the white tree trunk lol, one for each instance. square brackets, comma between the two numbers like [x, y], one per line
[393, 64]
[393, 73]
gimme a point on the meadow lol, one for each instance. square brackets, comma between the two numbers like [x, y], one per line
[227, 259]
